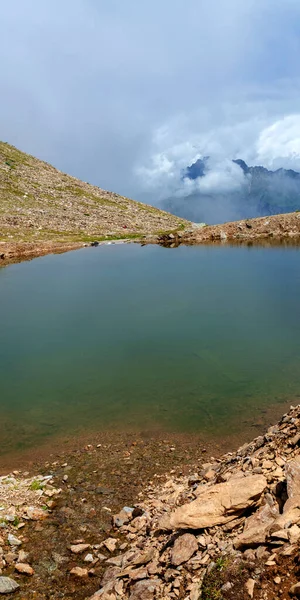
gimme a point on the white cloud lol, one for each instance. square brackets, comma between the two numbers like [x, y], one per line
[279, 145]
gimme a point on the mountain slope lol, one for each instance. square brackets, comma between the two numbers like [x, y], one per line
[39, 203]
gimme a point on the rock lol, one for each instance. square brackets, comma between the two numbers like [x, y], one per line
[24, 568]
[227, 587]
[22, 556]
[184, 547]
[36, 514]
[277, 580]
[123, 517]
[294, 534]
[295, 440]
[249, 585]
[291, 509]
[8, 585]
[10, 558]
[79, 572]
[79, 548]
[281, 534]
[145, 589]
[110, 544]
[257, 528]
[142, 558]
[220, 503]
[89, 558]
[13, 541]
[210, 475]
[295, 590]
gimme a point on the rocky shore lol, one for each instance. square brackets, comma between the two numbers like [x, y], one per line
[269, 230]
[228, 528]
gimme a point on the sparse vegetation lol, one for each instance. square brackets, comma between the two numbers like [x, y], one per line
[38, 203]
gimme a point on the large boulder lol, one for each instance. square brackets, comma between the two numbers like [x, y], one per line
[220, 503]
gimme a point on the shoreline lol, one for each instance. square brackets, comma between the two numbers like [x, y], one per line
[81, 490]
[65, 444]
[272, 231]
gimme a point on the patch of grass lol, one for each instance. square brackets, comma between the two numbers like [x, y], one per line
[35, 485]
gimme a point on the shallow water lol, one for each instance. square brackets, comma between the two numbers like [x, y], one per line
[189, 339]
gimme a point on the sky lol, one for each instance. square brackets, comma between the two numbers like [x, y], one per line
[125, 95]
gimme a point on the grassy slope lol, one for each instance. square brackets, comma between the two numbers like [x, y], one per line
[39, 203]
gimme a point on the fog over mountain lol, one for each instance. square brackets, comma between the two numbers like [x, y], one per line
[252, 191]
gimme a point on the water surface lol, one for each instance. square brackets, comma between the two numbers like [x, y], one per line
[189, 339]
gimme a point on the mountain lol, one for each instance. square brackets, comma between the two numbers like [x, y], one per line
[39, 203]
[260, 192]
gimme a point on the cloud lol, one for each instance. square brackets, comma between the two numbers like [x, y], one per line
[125, 95]
[279, 145]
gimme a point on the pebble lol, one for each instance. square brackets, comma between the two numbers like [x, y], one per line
[24, 568]
[89, 558]
[79, 548]
[110, 544]
[249, 585]
[13, 540]
[79, 572]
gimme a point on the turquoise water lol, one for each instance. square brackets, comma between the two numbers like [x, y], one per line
[186, 339]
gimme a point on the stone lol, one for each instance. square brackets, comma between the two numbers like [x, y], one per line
[89, 558]
[281, 534]
[142, 558]
[144, 589]
[79, 548]
[110, 544]
[36, 514]
[13, 540]
[8, 585]
[22, 556]
[227, 587]
[294, 534]
[249, 585]
[24, 568]
[291, 509]
[79, 572]
[220, 503]
[123, 517]
[257, 527]
[295, 440]
[295, 590]
[277, 580]
[184, 547]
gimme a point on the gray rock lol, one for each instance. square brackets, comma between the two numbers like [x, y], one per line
[8, 585]
[13, 541]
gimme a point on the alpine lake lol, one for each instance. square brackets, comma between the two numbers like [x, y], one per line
[199, 339]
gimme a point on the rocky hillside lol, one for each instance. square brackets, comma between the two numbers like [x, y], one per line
[39, 203]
